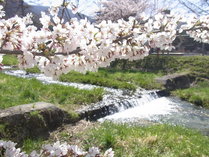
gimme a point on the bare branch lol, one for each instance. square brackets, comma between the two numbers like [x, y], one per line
[18, 52]
[198, 9]
[63, 10]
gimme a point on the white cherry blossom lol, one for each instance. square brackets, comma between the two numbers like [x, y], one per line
[8, 149]
[61, 46]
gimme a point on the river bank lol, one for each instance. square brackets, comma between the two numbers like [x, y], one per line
[156, 140]
[196, 66]
[133, 141]
[124, 74]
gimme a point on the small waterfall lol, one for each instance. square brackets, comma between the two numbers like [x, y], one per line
[148, 109]
[117, 102]
[138, 98]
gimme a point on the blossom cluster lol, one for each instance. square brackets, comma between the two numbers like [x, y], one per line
[8, 149]
[114, 9]
[197, 28]
[60, 46]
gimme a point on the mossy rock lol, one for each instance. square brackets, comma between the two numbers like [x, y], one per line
[31, 121]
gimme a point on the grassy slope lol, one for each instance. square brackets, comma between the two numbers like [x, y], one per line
[114, 78]
[155, 141]
[197, 65]
[135, 141]
[199, 94]
[16, 91]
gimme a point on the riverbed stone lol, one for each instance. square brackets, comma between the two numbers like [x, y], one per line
[176, 81]
[34, 120]
[93, 113]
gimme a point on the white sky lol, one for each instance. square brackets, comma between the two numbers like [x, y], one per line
[89, 7]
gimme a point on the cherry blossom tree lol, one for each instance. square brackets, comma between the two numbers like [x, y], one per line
[59, 47]
[114, 9]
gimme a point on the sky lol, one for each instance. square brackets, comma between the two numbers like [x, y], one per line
[89, 7]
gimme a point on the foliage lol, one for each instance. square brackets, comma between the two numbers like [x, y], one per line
[132, 140]
[15, 91]
[88, 49]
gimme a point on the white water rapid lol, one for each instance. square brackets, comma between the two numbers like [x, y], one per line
[146, 110]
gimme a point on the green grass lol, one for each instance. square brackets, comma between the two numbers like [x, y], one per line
[114, 78]
[31, 144]
[198, 65]
[152, 141]
[33, 70]
[133, 141]
[15, 91]
[10, 60]
[122, 79]
[198, 94]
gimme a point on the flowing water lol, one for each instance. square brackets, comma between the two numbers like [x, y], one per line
[165, 110]
[141, 106]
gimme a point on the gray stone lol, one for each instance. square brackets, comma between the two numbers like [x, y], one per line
[176, 81]
[30, 121]
[97, 111]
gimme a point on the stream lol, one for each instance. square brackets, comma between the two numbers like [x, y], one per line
[141, 107]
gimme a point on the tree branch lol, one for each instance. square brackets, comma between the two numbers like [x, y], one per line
[18, 52]
[194, 7]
